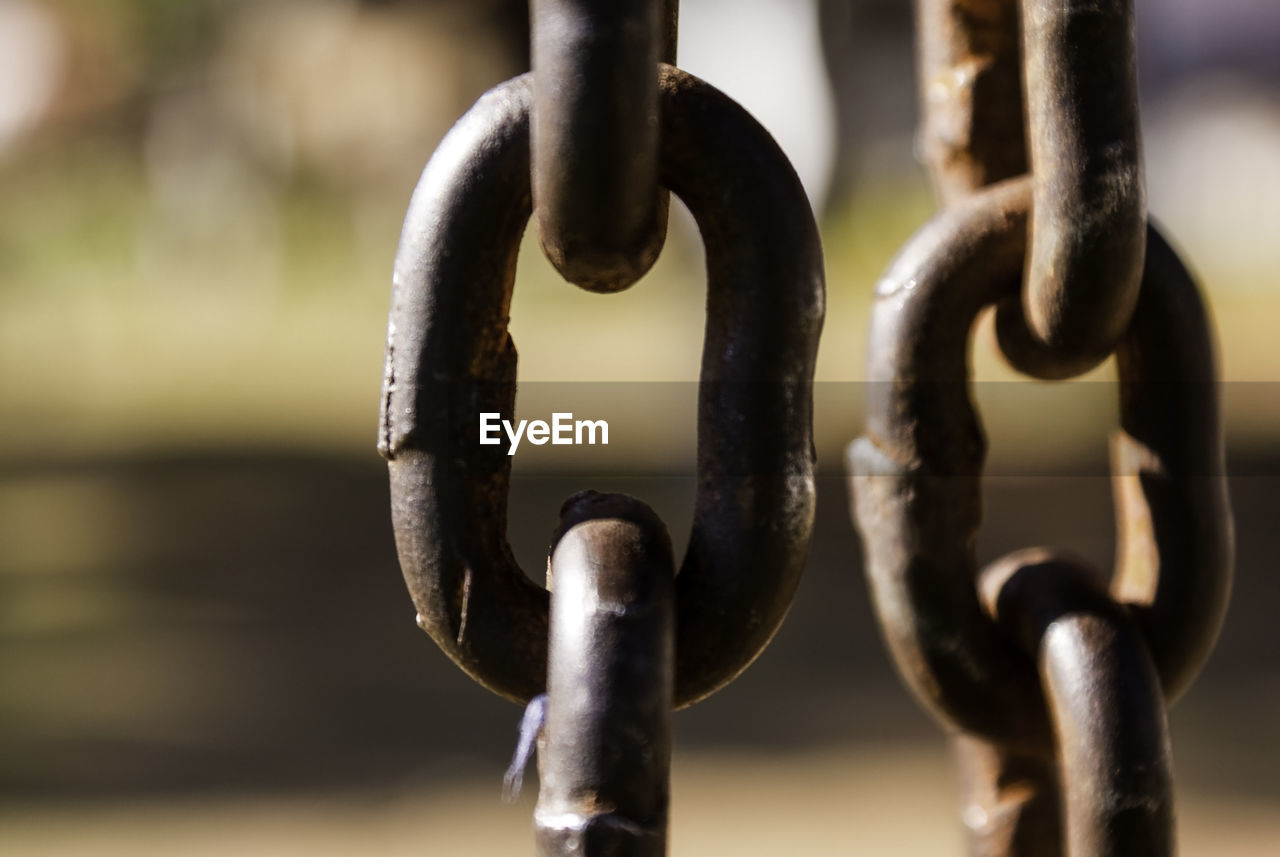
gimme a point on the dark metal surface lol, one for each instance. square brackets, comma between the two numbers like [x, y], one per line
[449, 357]
[604, 757]
[1108, 713]
[1056, 97]
[915, 473]
[602, 218]
[1088, 223]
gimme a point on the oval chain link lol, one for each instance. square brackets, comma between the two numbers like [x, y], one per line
[449, 358]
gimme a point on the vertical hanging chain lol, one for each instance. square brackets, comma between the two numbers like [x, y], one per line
[1075, 62]
[1088, 215]
[604, 761]
[597, 134]
[1054, 687]
[602, 217]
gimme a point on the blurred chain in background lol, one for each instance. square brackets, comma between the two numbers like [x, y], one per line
[1052, 683]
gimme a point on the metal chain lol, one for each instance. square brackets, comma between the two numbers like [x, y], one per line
[450, 358]
[1081, 122]
[605, 758]
[609, 125]
[1054, 686]
[1088, 221]
[601, 216]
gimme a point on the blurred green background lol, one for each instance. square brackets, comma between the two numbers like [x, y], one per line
[205, 645]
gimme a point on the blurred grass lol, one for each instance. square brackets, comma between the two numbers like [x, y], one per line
[114, 334]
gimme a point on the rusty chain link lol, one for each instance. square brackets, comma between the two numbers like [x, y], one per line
[1054, 686]
[610, 125]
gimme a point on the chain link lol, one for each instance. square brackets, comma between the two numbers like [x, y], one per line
[1080, 120]
[601, 217]
[605, 758]
[1103, 697]
[450, 358]
[1088, 223]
